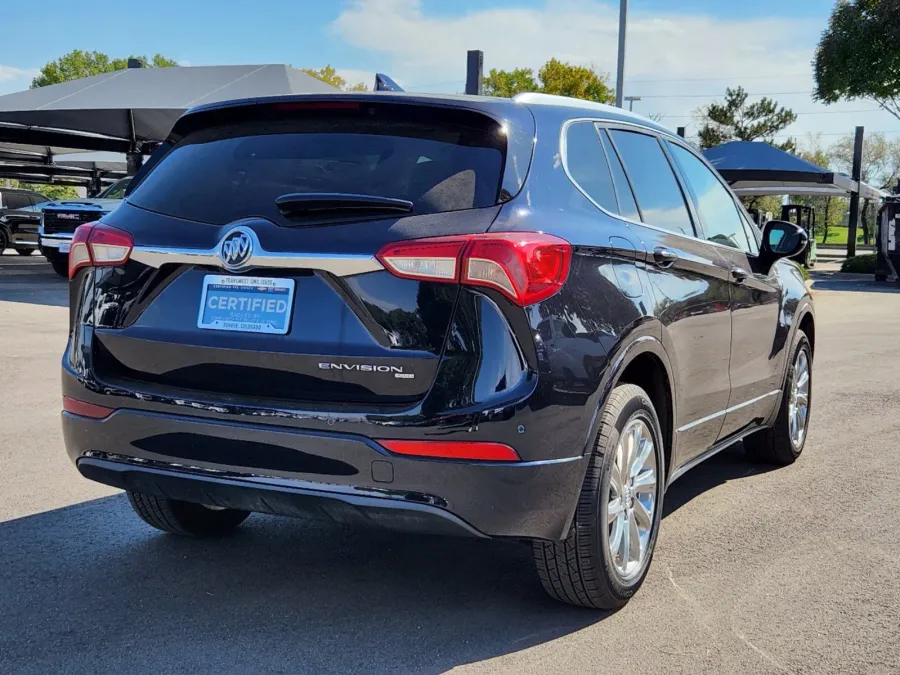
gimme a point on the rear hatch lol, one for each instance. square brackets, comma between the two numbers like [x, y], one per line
[290, 175]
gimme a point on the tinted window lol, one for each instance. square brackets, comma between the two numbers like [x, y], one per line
[715, 205]
[116, 190]
[627, 206]
[39, 199]
[222, 174]
[15, 200]
[587, 165]
[655, 186]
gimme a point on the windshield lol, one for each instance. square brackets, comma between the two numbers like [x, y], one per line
[116, 190]
[223, 174]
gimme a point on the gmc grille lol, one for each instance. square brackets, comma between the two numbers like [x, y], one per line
[65, 222]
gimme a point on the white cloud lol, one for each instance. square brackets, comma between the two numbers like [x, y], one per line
[669, 55]
[352, 76]
[8, 73]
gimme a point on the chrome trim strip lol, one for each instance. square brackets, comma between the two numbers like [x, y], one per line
[337, 264]
[709, 418]
[650, 131]
[543, 462]
[714, 450]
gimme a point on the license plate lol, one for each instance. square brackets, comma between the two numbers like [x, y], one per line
[246, 304]
[64, 248]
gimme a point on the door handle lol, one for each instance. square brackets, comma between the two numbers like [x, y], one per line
[739, 273]
[664, 257]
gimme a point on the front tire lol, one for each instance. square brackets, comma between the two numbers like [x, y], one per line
[185, 518]
[783, 442]
[605, 558]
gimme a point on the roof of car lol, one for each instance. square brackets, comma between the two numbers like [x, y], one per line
[574, 107]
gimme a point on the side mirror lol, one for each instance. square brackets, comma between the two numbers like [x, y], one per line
[783, 240]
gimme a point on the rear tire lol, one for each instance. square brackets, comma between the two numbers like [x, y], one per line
[185, 518]
[61, 266]
[24, 251]
[779, 444]
[590, 568]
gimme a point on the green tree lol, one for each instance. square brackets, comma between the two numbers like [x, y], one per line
[859, 54]
[51, 191]
[77, 64]
[554, 77]
[738, 120]
[329, 75]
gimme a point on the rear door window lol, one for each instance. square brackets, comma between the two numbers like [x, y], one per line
[587, 165]
[627, 206]
[655, 186]
[221, 174]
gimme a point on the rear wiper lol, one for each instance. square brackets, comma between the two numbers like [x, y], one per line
[314, 203]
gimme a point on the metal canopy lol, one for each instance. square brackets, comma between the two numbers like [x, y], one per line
[754, 168]
[138, 104]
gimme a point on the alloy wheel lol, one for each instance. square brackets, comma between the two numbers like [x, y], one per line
[631, 500]
[798, 408]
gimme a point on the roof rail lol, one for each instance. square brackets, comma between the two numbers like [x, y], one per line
[536, 98]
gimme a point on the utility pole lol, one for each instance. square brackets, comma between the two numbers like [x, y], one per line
[853, 220]
[631, 100]
[474, 71]
[620, 71]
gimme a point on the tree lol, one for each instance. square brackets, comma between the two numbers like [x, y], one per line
[77, 64]
[52, 191]
[830, 211]
[859, 54]
[735, 119]
[880, 167]
[329, 75]
[554, 77]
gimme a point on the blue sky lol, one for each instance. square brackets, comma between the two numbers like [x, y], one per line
[681, 55]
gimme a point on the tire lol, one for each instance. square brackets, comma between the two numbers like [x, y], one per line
[777, 445]
[581, 570]
[61, 266]
[4, 240]
[185, 518]
[24, 251]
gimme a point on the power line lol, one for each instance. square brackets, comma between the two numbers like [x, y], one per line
[719, 79]
[762, 93]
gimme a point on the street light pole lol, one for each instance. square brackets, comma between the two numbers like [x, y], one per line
[620, 72]
[631, 100]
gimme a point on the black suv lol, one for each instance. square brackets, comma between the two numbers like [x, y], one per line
[478, 316]
[20, 218]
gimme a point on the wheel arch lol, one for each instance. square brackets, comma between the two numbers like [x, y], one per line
[642, 361]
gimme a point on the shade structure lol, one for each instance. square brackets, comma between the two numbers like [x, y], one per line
[138, 105]
[754, 168]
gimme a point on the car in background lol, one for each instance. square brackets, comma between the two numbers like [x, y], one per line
[20, 218]
[60, 219]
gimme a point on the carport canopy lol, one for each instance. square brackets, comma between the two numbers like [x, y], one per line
[755, 168]
[137, 105]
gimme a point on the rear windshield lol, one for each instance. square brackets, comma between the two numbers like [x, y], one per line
[226, 173]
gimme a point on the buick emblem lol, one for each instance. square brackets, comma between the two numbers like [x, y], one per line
[236, 249]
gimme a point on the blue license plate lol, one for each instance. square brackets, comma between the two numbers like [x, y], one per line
[247, 304]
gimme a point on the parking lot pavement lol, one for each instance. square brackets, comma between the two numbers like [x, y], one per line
[756, 571]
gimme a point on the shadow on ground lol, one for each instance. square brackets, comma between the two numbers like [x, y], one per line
[859, 283]
[88, 588]
[30, 279]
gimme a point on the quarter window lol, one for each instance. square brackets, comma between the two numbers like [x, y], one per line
[715, 205]
[587, 165]
[655, 186]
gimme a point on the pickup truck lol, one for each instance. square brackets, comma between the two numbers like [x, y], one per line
[59, 220]
[20, 217]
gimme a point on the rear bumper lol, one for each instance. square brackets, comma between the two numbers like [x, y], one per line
[337, 476]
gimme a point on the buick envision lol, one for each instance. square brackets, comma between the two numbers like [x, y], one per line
[488, 317]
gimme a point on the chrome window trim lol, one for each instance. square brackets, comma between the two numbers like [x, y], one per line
[710, 418]
[650, 131]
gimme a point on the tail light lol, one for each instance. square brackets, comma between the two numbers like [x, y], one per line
[98, 245]
[526, 267]
[85, 409]
[465, 450]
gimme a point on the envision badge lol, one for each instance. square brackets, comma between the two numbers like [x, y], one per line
[368, 368]
[236, 249]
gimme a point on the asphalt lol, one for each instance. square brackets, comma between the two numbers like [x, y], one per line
[756, 570]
